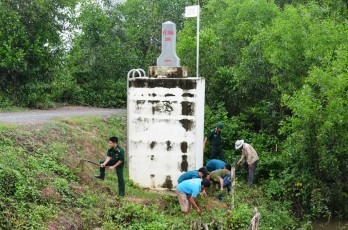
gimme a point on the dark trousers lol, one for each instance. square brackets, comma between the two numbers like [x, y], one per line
[119, 172]
[252, 170]
[217, 153]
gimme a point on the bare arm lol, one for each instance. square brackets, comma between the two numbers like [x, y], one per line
[221, 184]
[116, 165]
[205, 142]
[241, 159]
[193, 202]
[105, 162]
[204, 193]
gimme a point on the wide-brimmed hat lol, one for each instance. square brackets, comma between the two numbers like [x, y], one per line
[239, 144]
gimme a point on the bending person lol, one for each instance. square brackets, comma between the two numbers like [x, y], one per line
[187, 191]
[222, 178]
[192, 174]
[248, 153]
[213, 165]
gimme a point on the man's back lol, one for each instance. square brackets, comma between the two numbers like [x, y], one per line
[215, 164]
[250, 153]
[190, 187]
[217, 174]
[188, 175]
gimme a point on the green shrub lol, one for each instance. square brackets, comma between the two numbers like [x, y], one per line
[8, 214]
[8, 181]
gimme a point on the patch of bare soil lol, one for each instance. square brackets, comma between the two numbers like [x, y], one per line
[137, 200]
[79, 190]
[49, 193]
[72, 222]
[162, 192]
[215, 204]
[89, 149]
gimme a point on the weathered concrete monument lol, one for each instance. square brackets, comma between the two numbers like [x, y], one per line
[165, 119]
[168, 63]
[168, 56]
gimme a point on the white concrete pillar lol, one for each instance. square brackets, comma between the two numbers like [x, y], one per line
[165, 126]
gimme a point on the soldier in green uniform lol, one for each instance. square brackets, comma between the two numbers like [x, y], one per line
[115, 160]
[215, 142]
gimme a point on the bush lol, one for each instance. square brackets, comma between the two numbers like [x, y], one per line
[8, 181]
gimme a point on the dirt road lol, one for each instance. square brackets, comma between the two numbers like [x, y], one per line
[39, 116]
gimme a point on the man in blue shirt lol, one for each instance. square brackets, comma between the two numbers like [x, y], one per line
[200, 173]
[187, 191]
[214, 164]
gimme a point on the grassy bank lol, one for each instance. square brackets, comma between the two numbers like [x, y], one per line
[12, 109]
[43, 185]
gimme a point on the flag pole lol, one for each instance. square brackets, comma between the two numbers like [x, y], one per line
[197, 54]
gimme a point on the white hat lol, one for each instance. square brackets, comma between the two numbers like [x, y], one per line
[239, 144]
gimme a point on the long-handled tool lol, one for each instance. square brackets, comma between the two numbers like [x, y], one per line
[92, 162]
[82, 163]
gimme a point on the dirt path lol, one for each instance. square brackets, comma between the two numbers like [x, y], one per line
[40, 116]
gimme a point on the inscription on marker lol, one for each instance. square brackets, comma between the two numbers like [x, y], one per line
[168, 56]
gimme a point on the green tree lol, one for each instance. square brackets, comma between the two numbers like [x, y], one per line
[231, 60]
[31, 48]
[272, 67]
[12, 53]
[317, 137]
[142, 26]
[99, 60]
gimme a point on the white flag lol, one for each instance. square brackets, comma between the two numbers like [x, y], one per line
[192, 11]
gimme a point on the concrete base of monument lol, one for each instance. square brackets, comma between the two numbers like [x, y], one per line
[165, 129]
[167, 72]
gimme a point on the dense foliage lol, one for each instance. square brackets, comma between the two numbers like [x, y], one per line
[31, 51]
[276, 71]
[281, 78]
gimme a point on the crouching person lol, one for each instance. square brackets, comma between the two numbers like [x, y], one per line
[222, 179]
[200, 173]
[214, 164]
[187, 191]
